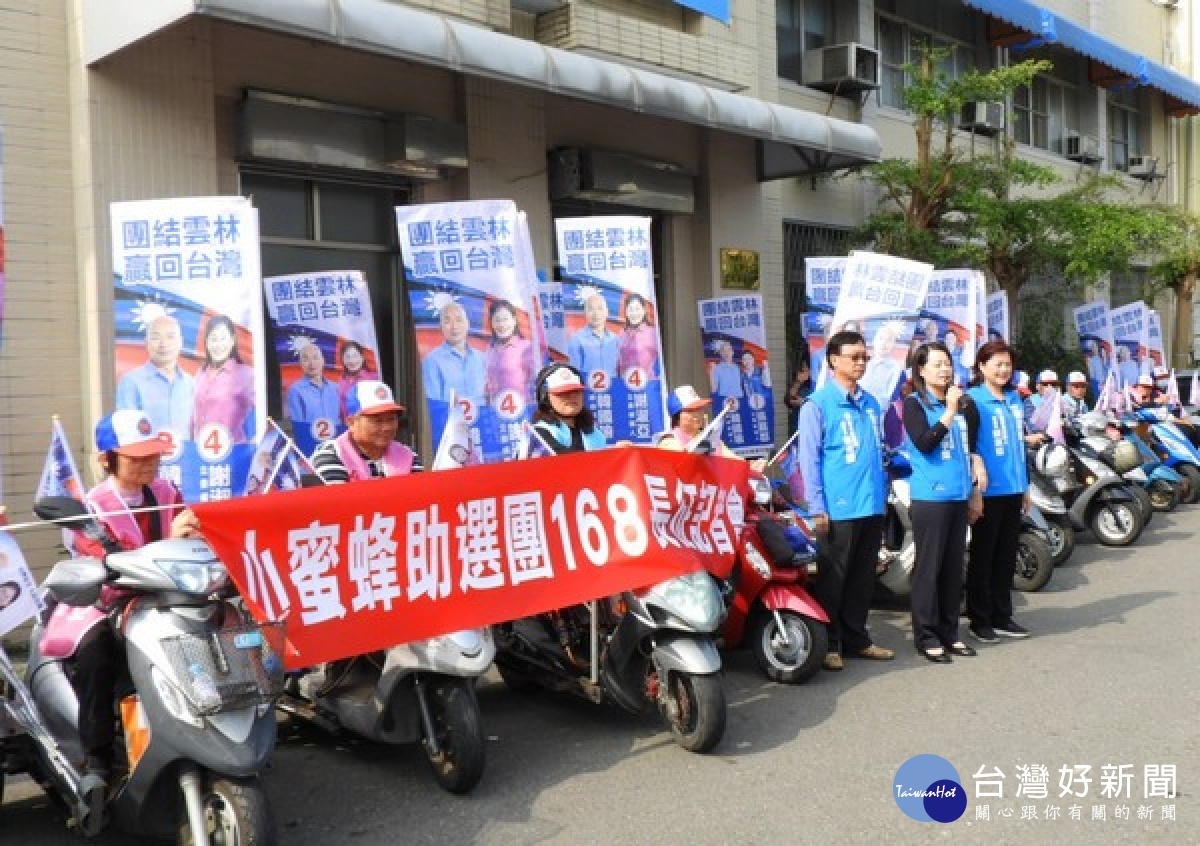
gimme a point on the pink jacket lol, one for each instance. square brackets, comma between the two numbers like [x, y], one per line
[224, 395]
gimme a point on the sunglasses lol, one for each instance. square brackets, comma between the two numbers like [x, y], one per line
[860, 358]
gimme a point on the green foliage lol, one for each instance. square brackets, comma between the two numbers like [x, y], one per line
[1041, 333]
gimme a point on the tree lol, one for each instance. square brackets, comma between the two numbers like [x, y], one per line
[1177, 269]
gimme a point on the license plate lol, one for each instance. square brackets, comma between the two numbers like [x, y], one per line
[248, 640]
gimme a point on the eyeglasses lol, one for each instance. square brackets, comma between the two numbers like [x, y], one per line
[861, 358]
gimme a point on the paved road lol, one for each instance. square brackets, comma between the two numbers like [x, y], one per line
[1111, 678]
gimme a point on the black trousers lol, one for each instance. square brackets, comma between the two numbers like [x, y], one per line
[993, 560]
[940, 537]
[98, 667]
[846, 580]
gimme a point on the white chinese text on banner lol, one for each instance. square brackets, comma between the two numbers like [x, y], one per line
[324, 336]
[611, 317]
[1094, 329]
[1130, 331]
[997, 317]
[189, 340]
[475, 321]
[735, 348]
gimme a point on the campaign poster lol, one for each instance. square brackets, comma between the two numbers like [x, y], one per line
[949, 315]
[1094, 328]
[611, 319]
[1131, 331]
[981, 327]
[324, 335]
[187, 307]
[997, 317]
[822, 285]
[553, 323]
[473, 312]
[735, 352]
[1, 238]
[536, 278]
[881, 297]
[1155, 348]
[20, 599]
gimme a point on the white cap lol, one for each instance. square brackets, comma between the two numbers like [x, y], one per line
[129, 432]
[563, 380]
[1046, 377]
[1076, 378]
[371, 397]
[1147, 380]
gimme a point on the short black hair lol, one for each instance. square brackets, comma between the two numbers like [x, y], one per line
[844, 338]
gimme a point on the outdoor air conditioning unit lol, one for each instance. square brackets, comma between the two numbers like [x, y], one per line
[1083, 148]
[580, 173]
[1143, 167]
[844, 68]
[984, 118]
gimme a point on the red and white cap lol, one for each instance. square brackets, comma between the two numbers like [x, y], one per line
[685, 398]
[129, 432]
[563, 380]
[371, 397]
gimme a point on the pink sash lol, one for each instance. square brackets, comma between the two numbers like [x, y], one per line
[397, 460]
[66, 628]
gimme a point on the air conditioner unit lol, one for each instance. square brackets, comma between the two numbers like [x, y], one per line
[984, 118]
[845, 68]
[1083, 148]
[580, 173]
[1143, 167]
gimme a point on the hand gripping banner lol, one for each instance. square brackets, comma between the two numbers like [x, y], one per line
[390, 561]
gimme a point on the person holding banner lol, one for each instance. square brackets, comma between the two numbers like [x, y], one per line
[134, 507]
[454, 367]
[841, 462]
[561, 421]
[639, 341]
[1001, 446]
[160, 387]
[313, 397]
[224, 385]
[509, 361]
[368, 449]
[941, 429]
[354, 370]
[594, 348]
[689, 416]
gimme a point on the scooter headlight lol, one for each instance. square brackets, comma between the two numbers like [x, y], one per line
[757, 561]
[693, 598]
[195, 577]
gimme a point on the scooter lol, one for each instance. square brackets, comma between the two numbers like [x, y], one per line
[197, 722]
[1167, 488]
[770, 609]
[1102, 502]
[1050, 478]
[650, 647]
[416, 692]
[1035, 561]
[1172, 447]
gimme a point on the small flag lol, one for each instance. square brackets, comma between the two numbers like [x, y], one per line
[1054, 425]
[60, 476]
[1173, 399]
[1040, 418]
[456, 448]
[1194, 393]
[534, 445]
[278, 463]
[1110, 395]
[711, 430]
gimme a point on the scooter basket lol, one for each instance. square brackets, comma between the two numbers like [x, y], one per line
[232, 668]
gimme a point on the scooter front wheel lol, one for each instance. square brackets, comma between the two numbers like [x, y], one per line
[235, 812]
[1060, 537]
[1035, 564]
[790, 655]
[1192, 475]
[1116, 523]
[1164, 495]
[458, 763]
[695, 710]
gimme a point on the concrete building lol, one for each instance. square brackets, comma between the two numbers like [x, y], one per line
[330, 112]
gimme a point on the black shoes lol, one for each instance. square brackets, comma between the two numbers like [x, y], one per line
[935, 654]
[983, 633]
[961, 649]
[1011, 629]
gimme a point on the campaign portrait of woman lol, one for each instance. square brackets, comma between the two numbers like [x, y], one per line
[224, 392]
[509, 355]
[638, 346]
[353, 359]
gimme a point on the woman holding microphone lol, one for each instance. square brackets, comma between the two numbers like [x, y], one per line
[940, 428]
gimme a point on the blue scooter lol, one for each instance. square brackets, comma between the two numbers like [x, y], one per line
[1172, 447]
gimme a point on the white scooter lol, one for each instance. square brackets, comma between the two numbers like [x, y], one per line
[422, 691]
[197, 723]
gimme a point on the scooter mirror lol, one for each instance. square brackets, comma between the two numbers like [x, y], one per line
[63, 509]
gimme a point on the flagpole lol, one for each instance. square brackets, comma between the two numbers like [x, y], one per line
[708, 430]
[38, 524]
[782, 450]
[532, 430]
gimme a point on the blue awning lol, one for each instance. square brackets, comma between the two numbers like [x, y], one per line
[718, 9]
[1045, 27]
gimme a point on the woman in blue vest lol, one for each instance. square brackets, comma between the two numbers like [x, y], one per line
[940, 428]
[1005, 497]
[561, 420]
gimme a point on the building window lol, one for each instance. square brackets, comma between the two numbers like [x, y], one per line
[906, 29]
[1123, 137]
[1045, 113]
[801, 25]
[801, 241]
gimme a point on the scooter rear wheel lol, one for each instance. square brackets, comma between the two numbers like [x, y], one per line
[1116, 523]
[236, 812]
[1192, 474]
[695, 710]
[793, 655]
[458, 766]
[1061, 540]
[1035, 564]
[1164, 495]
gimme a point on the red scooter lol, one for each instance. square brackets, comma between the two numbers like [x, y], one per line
[769, 608]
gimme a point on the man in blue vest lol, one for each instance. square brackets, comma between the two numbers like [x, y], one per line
[841, 461]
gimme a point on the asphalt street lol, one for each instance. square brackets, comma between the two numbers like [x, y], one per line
[1110, 679]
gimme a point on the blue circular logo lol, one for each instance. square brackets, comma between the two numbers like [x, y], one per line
[927, 789]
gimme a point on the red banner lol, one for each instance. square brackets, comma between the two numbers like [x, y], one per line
[352, 569]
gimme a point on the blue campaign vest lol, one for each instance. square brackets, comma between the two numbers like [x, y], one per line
[851, 453]
[592, 440]
[943, 475]
[1001, 441]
